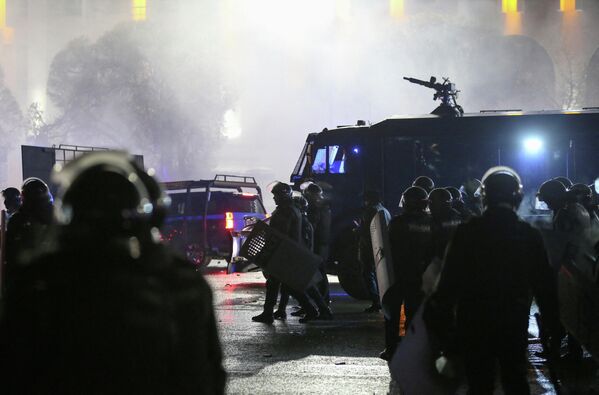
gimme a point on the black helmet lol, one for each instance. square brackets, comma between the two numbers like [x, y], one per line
[36, 196]
[564, 180]
[102, 191]
[501, 184]
[439, 199]
[424, 182]
[455, 193]
[282, 190]
[301, 203]
[414, 198]
[554, 193]
[581, 193]
[313, 192]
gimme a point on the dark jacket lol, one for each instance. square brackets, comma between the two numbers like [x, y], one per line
[443, 226]
[491, 266]
[410, 239]
[287, 219]
[319, 215]
[90, 318]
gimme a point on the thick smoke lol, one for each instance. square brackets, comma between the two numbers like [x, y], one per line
[283, 69]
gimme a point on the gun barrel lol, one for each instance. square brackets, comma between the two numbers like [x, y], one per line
[418, 82]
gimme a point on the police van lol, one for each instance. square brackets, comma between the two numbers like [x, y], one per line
[206, 217]
[387, 156]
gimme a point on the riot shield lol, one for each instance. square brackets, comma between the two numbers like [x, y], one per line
[278, 256]
[413, 364]
[382, 257]
[576, 263]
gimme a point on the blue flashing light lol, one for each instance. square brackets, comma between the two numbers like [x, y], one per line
[533, 145]
[356, 150]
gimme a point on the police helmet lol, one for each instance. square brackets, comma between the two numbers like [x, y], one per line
[564, 180]
[501, 185]
[35, 193]
[581, 193]
[472, 187]
[552, 192]
[282, 190]
[455, 193]
[440, 197]
[424, 182]
[102, 191]
[414, 198]
[313, 191]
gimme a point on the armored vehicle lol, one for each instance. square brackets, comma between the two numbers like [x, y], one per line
[452, 151]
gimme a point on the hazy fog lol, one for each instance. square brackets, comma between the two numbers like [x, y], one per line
[280, 69]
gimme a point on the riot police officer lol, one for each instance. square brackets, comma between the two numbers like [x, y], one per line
[319, 214]
[410, 238]
[26, 230]
[372, 205]
[109, 309]
[307, 238]
[286, 219]
[12, 200]
[491, 265]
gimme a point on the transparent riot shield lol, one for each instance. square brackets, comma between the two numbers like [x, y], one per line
[278, 256]
[383, 261]
[575, 259]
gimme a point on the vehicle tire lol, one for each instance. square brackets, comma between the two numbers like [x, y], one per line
[349, 268]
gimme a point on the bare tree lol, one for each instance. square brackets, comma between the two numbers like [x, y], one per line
[110, 93]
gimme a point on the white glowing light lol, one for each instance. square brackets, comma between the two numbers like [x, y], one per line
[231, 125]
[533, 145]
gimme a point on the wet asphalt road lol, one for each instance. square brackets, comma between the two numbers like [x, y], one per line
[328, 357]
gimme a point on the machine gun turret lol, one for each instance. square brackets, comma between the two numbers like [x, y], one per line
[446, 91]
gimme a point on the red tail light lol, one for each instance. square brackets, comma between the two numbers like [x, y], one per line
[229, 224]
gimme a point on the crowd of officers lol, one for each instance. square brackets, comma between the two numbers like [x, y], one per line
[473, 265]
[92, 290]
[93, 302]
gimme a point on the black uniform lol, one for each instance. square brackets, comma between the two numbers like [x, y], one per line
[410, 238]
[319, 214]
[492, 264]
[365, 250]
[90, 318]
[443, 225]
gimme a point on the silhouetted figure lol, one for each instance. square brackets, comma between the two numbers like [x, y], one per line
[12, 200]
[372, 205]
[480, 308]
[286, 219]
[410, 239]
[27, 228]
[319, 214]
[110, 309]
